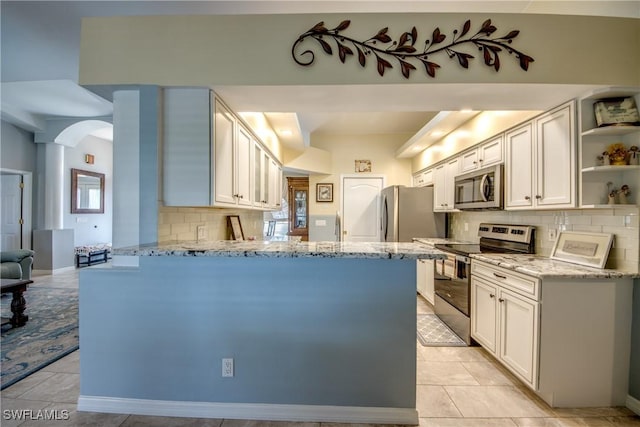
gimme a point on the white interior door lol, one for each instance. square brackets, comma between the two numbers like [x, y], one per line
[11, 211]
[361, 208]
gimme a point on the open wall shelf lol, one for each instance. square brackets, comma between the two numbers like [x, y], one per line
[594, 140]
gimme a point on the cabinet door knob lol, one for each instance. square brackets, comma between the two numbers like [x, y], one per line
[501, 299]
[492, 296]
[538, 196]
[480, 160]
[474, 162]
[527, 198]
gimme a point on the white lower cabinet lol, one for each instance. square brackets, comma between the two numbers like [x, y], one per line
[518, 337]
[425, 279]
[506, 324]
[484, 322]
[567, 338]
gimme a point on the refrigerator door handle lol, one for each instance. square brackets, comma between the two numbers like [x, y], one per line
[385, 217]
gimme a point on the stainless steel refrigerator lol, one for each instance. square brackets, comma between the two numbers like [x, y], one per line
[407, 212]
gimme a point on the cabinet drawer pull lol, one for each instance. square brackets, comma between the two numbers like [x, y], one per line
[499, 276]
[501, 299]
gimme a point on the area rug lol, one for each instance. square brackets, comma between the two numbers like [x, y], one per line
[434, 332]
[50, 334]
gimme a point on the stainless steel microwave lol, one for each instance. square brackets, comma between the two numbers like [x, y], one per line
[480, 189]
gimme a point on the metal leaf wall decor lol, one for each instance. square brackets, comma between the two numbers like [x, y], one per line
[387, 51]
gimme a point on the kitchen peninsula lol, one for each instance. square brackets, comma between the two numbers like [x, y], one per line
[318, 331]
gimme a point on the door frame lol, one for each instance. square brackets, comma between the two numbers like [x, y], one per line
[359, 176]
[27, 203]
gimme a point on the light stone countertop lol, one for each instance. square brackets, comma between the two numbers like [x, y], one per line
[259, 248]
[543, 267]
[430, 241]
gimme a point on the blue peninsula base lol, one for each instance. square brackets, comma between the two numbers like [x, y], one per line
[312, 339]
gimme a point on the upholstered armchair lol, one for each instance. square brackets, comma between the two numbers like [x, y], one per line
[16, 264]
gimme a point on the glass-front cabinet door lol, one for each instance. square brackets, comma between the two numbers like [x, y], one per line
[298, 207]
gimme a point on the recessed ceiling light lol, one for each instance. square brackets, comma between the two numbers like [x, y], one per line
[417, 148]
[437, 133]
[286, 132]
[466, 110]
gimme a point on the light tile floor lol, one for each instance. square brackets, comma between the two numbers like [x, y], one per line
[456, 386]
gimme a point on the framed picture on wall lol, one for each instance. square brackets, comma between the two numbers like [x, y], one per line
[324, 192]
[363, 165]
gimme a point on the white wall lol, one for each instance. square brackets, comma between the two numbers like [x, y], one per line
[345, 150]
[89, 228]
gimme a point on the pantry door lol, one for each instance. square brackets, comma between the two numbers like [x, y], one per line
[361, 212]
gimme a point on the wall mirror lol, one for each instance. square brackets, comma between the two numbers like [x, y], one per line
[87, 192]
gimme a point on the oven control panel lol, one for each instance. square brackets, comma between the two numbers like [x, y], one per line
[508, 232]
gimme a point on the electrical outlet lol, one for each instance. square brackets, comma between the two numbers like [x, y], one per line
[553, 234]
[201, 232]
[227, 367]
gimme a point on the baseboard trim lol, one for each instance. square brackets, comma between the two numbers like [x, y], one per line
[52, 272]
[633, 404]
[249, 411]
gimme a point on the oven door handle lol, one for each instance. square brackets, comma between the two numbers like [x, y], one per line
[441, 277]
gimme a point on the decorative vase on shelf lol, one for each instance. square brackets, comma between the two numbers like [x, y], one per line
[634, 156]
[605, 159]
[623, 193]
[612, 198]
[618, 161]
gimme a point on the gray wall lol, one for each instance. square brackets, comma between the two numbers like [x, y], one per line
[17, 150]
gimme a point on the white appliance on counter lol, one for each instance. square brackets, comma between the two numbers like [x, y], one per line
[407, 212]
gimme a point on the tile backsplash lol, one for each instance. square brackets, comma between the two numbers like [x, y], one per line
[622, 222]
[181, 223]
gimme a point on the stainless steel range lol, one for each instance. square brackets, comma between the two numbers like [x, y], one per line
[453, 275]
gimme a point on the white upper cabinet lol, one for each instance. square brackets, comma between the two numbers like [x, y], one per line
[490, 152]
[424, 178]
[540, 163]
[444, 185]
[519, 167]
[485, 154]
[224, 137]
[556, 158]
[210, 157]
[244, 164]
[469, 160]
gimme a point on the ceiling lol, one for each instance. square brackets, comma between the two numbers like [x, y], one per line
[40, 44]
